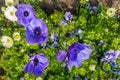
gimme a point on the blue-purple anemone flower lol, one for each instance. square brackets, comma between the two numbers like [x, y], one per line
[36, 32]
[68, 16]
[92, 8]
[61, 55]
[111, 56]
[37, 64]
[25, 13]
[77, 53]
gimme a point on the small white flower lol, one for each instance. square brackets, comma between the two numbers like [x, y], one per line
[92, 67]
[111, 12]
[16, 36]
[10, 13]
[7, 41]
[9, 2]
[79, 31]
[2, 9]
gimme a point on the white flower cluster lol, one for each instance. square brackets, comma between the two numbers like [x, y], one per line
[8, 41]
[9, 12]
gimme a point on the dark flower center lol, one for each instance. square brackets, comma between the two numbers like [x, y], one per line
[113, 54]
[69, 16]
[26, 14]
[35, 61]
[37, 31]
[68, 35]
[55, 25]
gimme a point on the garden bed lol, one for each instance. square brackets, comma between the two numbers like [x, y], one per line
[60, 40]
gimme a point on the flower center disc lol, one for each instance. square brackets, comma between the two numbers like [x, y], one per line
[37, 31]
[35, 61]
[12, 13]
[26, 13]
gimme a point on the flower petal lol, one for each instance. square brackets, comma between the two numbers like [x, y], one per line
[84, 54]
[38, 70]
[61, 54]
[43, 60]
[78, 61]
[72, 55]
[29, 67]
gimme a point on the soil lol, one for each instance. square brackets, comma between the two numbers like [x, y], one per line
[67, 5]
[2, 2]
[111, 3]
[62, 5]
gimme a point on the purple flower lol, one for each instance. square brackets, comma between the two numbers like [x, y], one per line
[118, 72]
[77, 77]
[77, 53]
[55, 25]
[54, 44]
[105, 60]
[113, 64]
[68, 16]
[101, 42]
[64, 63]
[114, 79]
[63, 22]
[86, 78]
[25, 13]
[92, 8]
[111, 56]
[37, 65]
[77, 32]
[29, 54]
[68, 35]
[36, 32]
[61, 55]
[54, 37]
[46, 46]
